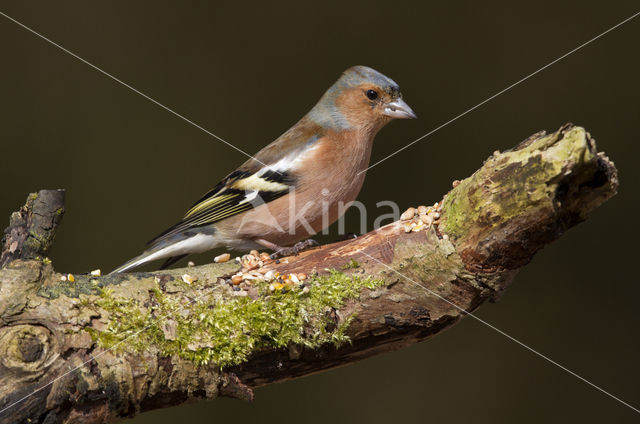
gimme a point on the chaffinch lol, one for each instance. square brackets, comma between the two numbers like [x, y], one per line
[297, 185]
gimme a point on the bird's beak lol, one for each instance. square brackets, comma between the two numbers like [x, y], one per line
[399, 109]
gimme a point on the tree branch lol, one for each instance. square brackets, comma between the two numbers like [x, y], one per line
[141, 341]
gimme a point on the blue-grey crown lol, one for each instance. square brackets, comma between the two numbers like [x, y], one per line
[357, 75]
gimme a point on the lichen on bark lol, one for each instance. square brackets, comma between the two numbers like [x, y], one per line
[533, 186]
[516, 181]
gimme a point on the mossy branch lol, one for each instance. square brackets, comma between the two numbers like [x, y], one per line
[141, 341]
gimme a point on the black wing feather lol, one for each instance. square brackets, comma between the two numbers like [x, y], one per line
[224, 201]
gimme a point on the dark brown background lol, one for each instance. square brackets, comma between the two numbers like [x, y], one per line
[247, 72]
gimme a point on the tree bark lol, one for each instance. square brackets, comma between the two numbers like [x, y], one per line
[100, 348]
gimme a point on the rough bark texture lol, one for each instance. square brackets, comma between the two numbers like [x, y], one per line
[61, 359]
[31, 229]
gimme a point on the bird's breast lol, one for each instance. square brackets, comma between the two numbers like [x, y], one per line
[327, 181]
[333, 173]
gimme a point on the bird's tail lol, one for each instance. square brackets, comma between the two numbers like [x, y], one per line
[170, 253]
[172, 250]
[132, 263]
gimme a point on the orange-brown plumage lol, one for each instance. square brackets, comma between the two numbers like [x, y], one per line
[310, 173]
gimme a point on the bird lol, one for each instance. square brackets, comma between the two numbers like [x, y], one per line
[297, 185]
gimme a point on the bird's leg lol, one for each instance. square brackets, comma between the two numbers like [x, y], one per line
[268, 244]
[280, 252]
[304, 245]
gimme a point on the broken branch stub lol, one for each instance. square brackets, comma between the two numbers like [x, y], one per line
[31, 229]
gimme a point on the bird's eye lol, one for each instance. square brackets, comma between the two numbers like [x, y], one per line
[372, 94]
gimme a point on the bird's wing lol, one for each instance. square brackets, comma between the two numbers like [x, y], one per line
[238, 192]
[267, 176]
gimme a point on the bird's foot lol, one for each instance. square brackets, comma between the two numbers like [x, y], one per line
[295, 249]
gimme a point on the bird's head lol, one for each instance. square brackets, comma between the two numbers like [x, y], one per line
[361, 98]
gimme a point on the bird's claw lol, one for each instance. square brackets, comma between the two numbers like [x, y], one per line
[295, 249]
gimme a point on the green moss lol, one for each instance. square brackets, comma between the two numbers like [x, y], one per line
[352, 264]
[226, 331]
